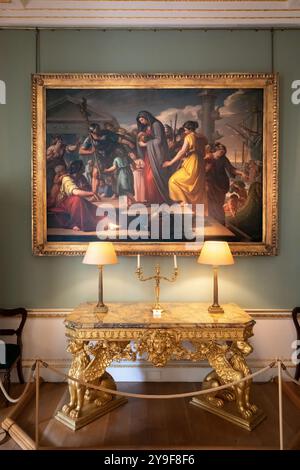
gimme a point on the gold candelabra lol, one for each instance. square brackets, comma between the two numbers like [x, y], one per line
[157, 308]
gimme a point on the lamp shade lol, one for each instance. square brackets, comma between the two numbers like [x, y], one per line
[100, 253]
[216, 254]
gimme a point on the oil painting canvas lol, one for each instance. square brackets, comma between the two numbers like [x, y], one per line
[109, 148]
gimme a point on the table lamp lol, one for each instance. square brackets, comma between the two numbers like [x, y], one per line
[216, 254]
[99, 254]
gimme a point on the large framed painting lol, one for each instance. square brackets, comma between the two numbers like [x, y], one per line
[155, 163]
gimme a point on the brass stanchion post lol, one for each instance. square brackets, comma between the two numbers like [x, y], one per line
[37, 400]
[280, 404]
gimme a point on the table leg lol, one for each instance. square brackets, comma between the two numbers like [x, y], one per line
[88, 366]
[229, 365]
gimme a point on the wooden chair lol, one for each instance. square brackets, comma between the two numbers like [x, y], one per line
[13, 351]
[295, 314]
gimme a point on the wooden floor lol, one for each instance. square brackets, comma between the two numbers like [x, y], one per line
[144, 424]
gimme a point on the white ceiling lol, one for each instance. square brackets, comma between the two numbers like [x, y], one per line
[149, 13]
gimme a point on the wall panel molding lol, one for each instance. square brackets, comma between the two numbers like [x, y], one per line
[143, 371]
[149, 13]
[253, 363]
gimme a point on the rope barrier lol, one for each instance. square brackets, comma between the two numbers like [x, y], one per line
[15, 400]
[284, 368]
[156, 397]
[36, 366]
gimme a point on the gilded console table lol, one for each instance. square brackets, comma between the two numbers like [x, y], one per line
[186, 331]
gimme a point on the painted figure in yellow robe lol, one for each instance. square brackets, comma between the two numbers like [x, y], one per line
[187, 185]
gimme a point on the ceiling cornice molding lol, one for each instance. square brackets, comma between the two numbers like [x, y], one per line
[149, 13]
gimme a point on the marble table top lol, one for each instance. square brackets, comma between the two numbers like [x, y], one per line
[139, 315]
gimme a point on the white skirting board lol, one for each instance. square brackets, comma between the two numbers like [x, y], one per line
[141, 372]
[44, 337]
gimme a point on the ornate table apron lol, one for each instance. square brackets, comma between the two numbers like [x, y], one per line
[186, 331]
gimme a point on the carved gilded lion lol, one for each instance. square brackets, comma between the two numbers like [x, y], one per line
[230, 366]
[79, 393]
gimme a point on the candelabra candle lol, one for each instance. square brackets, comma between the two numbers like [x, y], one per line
[157, 308]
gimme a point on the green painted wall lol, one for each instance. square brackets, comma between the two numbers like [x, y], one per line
[64, 282]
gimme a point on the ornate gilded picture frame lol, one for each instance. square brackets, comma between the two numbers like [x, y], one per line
[208, 140]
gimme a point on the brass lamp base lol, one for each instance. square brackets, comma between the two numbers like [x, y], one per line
[215, 309]
[101, 308]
